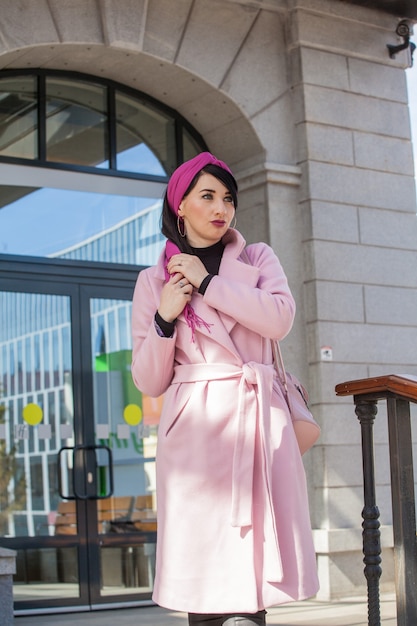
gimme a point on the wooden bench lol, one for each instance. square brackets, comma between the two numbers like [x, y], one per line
[137, 509]
[66, 518]
[143, 514]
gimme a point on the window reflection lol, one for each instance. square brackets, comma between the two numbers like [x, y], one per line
[76, 122]
[86, 122]
[19, 117]
[191, 146]
[32, 419]
[46, 573]
[145, 138]
[82, 225]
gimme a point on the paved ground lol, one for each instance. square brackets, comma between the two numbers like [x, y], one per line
[349, 612]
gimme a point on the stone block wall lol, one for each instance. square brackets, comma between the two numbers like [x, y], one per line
[359, 232]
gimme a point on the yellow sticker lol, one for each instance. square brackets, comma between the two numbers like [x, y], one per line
[32, 414]
[132, 414]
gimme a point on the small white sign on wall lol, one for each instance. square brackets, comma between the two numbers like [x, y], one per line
[326, 353]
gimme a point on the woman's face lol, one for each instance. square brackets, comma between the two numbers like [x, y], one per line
[207, 211]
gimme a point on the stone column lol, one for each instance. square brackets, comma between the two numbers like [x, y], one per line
[7, 569]
[356, 217]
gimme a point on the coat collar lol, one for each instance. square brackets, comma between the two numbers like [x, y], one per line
[235, 262]
[235, 265]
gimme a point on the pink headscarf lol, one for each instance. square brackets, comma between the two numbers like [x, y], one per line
[177, 186]
[184, 174]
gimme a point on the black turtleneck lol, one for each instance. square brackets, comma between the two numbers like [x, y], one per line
[211, 258]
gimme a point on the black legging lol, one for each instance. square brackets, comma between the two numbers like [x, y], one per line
[227, 619]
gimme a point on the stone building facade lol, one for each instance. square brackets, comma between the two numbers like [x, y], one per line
[302, 100]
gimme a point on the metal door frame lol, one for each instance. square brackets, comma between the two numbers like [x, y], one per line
[80, 281]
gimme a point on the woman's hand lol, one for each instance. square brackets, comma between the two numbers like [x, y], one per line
[174, 296]
[189, 266]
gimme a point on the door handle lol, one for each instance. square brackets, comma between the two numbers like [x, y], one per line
[84, 472]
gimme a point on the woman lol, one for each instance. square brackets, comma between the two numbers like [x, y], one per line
[234, 533]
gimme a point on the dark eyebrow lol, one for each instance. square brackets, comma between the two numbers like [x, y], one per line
[227, 192]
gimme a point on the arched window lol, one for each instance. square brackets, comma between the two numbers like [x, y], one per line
[84, 164]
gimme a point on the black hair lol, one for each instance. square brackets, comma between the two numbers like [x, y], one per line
[169, 219]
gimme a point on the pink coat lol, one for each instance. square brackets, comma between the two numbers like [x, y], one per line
[233, 521]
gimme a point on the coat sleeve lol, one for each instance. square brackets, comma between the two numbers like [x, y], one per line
[152, 355]
[268, 308]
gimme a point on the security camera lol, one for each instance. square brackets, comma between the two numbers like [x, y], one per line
[404, 28]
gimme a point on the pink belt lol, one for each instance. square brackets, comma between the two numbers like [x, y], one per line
[255, 394]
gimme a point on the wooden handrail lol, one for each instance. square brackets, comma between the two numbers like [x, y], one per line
[405, 386]
[398, 391]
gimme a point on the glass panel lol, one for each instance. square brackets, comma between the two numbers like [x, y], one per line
[127, 422]
[36, 416]
[76, 122]
[18, 117]
[191, 147]
[46, 573]
[80, 225]
[145, 138]
[124, 570]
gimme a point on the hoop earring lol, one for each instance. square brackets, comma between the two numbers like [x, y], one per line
[179, 220]
[234, 222]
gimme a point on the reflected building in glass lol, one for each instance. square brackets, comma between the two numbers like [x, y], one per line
[36, 371]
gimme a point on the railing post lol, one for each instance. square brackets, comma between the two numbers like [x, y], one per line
[399, 391]
[403, 509]
[366, 412]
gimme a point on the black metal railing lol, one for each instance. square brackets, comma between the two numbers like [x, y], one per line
[398, 391]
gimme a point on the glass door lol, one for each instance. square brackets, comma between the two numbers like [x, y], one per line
[36, 420]
[124, 431]
[77, 444]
